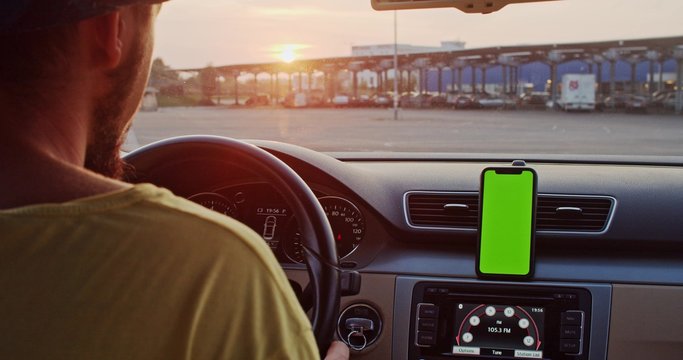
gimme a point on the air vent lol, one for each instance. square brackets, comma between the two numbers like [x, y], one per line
[572, 213]
[453, 210]
[554, 213]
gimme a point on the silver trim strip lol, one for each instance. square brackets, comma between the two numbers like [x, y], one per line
[608, 223]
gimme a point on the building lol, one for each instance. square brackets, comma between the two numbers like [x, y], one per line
[405, 49]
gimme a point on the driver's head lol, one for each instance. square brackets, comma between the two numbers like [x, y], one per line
[97, 50]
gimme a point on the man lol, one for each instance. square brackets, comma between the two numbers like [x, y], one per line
[94, 268]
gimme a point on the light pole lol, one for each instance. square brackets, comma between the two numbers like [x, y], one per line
[395, 65]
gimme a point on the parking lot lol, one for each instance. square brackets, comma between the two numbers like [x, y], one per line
[469, 131]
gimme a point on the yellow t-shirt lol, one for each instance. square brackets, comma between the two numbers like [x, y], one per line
[142, 274]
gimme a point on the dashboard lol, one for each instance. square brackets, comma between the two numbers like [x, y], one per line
[609, 276]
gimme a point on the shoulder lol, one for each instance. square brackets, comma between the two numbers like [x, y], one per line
[246, 293]
[181, 218]
[195, 231]
[161, 206]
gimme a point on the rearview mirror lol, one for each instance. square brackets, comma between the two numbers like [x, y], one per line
[468, 6]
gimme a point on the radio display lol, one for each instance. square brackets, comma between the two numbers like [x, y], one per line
[493, 330]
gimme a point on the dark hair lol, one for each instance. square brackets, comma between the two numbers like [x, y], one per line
[36, 56]
[42, 55]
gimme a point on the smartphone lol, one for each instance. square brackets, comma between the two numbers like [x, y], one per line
[507, 219]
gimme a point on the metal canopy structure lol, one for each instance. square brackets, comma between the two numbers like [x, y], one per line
[510, 58]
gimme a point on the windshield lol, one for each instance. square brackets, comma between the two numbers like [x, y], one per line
[564, 77]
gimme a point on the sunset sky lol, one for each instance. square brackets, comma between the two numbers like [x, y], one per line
[194, 33]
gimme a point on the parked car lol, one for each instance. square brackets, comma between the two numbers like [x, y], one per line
[362, 101]
[465, 102]
[533, 100]
[489, 101]
[382, 100]
[664, 100]
[341, 101]
[258, 100]
[295, 100]
[628, 102]
[416, 101]
[439, 101]
[636, 103]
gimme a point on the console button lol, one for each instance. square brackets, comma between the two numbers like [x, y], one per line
[427, 324]
[426, 338]
[432, 290]
[571, 318]
[428, 311]
[570, 346]
[570, 332]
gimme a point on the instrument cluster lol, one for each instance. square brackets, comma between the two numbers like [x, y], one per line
[262, 208]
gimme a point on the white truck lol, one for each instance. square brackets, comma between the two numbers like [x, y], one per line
[578, 92]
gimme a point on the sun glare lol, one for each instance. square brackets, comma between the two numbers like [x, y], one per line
[288, 52]
[287, 55]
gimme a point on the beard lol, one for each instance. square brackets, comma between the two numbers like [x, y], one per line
[112, 115]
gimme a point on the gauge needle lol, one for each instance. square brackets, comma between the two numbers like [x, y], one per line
[339, 237]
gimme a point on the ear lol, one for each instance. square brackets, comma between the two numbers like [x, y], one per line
[104, 37]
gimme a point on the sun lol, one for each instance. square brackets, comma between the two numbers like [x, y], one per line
[287, 52]
[287, 55]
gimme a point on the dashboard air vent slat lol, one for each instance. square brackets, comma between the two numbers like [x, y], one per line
[444, 210]
[592, 217]
[557, 213]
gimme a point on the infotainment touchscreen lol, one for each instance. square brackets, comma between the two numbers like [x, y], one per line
[491, 330]
[484, 321]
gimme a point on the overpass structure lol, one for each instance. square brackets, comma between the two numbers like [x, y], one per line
[636, 65]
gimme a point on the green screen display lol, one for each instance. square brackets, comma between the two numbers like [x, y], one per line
[507, 206]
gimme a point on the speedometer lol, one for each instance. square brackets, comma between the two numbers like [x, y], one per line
[215, 202]
[348, 228]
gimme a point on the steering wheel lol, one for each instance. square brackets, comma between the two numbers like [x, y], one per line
[316, 233]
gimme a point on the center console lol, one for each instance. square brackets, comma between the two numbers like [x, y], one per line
[472, 319]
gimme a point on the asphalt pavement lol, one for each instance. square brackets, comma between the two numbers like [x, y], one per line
[468, 131]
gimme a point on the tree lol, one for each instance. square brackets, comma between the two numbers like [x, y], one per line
[161, 74]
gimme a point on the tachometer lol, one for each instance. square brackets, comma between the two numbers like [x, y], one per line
[215, 202]
[348, 228]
